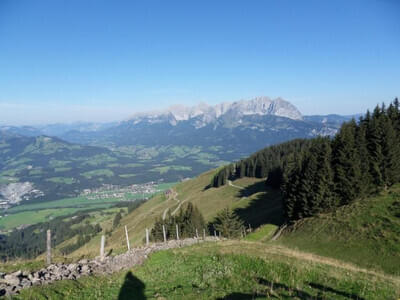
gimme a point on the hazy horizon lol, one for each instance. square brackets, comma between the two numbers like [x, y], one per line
[124, 115]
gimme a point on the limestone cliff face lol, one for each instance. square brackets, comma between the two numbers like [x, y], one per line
[204, 114]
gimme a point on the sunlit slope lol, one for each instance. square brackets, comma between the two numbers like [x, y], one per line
[246, 196]
[366, 233]
[229, 270]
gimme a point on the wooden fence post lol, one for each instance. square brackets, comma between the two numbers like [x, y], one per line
[127, 238]
[103, 241]
[249, 228]
[164, 233]
[177, 232]
[204, 234]
[48, 257]
[215, 233]
[147, 237]
[197, 233]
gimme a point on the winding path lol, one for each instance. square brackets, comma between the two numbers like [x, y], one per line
[173, 195]
[236, 186]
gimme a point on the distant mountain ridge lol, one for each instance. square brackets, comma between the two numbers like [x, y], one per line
[203, 114]
[239, 127]
[173, 144]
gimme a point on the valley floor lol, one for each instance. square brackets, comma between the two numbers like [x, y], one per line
[229, 270]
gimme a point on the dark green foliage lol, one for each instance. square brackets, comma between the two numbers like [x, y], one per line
[321, 174]
[134, 205]
[188, 220]
[346, 163]
[228, 224]
[265, 163]
[117, 220]
[31, 241]
[313, 188]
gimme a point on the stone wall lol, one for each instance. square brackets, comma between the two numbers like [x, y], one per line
[12, 283]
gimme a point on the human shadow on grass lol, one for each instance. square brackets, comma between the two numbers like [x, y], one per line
[132, 288]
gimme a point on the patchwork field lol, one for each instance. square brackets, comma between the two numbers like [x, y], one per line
[44, 211]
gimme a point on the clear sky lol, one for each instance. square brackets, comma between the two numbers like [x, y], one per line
[104, 60]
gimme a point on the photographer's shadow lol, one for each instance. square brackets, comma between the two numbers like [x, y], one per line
[133, 288]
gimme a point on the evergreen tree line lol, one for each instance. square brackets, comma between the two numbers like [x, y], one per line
[188, 220]
[262, 163]
[320, 174]
[31, 241]
[226, 223]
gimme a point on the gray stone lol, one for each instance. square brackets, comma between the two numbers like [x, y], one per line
[25, 283]
[17, 273]
[83, 261]
[11, 279]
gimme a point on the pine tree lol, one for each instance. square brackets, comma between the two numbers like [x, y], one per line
[228, 223]
[374, 134]
[117, 219]
[364, 158]
[316, 184]
[346, 164]
[390, 167]
[157, 231]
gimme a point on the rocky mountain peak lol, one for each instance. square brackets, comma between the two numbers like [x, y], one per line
[205, 114]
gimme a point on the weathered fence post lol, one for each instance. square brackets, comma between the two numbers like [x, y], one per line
[103, 241]
[249, 228]
[127, 238]
[147, 237]
[197, 233]
[204, 234]
[220, 234]
[48, 257]
[215, 233]
[164, 233]
[177, 232]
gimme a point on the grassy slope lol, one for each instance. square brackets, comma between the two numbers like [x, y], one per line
[228, 270]
[366, 233]
[209, 201]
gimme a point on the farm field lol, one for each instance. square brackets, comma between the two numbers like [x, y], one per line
[43, 211]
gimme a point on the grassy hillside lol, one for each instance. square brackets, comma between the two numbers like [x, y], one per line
[246, 196]
[229, 270]
[366, 233]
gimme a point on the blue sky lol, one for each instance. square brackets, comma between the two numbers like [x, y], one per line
[104, 60]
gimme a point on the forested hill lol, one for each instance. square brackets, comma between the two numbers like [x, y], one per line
[320, 174]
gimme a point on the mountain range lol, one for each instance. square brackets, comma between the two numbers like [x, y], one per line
[172, 144]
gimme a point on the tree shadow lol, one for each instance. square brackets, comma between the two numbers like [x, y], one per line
[252, 189]
[264, 208]
[276, 288]
[242, 296]
[133, 288]
[331, 290]
[208, 186]
[271, 290]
